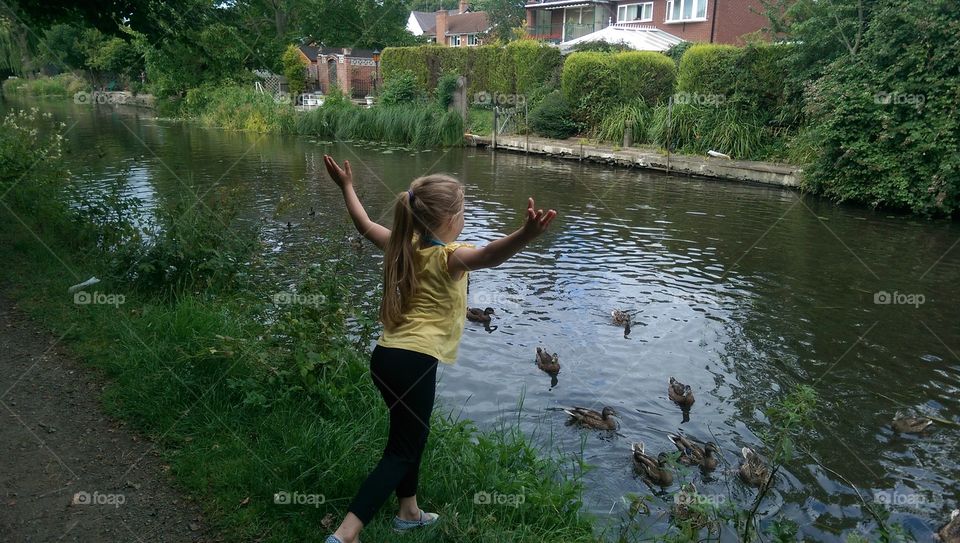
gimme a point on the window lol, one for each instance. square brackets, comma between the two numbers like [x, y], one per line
[686, 10]
[454, 40]
[472, 39]
[635, 12]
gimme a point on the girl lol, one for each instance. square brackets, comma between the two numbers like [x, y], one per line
[423, 310]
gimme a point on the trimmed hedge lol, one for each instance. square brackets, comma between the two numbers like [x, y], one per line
[597, 83]
[520, 67]
[751, 77]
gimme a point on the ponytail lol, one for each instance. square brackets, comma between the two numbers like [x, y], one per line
[399, 277]
[431, 202]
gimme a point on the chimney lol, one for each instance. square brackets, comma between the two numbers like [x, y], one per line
[441, 27]
[464, 6]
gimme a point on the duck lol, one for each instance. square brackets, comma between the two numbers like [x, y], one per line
[603, 420]
[753, 469]
[313, 212]
[680, 394]
[476, 314]
[620, 317]
[547, 362]
[654, 470]
[694, 454]
[950, 533]
[903, 424]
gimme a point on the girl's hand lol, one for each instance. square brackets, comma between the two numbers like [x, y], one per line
[343, 177]
[537, 220]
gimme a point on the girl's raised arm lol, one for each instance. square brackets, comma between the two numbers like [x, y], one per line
[497, 252]
[343, 177]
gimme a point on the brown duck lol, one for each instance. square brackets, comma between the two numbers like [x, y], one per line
[476, 314]
[909, 425]
[680, 394]
[693, 453]
[950, 533]
[654, 470]
[547, 362]
[604, 420]
[753, 469]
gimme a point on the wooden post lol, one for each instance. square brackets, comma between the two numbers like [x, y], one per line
[460, 98]
[496, 123]
[628, 133]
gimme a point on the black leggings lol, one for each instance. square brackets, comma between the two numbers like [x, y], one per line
[407, 381]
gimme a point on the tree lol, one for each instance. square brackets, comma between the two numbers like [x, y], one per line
[295, 70]
[504, 16]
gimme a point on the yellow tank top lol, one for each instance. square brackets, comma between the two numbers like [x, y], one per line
[436, 313]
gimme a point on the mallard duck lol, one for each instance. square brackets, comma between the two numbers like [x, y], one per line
[603, 420]
[909, 425]
[547, 362]
[620, 317]
[950, 533]
[680, 393]
[753, 469]
[476, 314]
[694, 454]
[655, 470]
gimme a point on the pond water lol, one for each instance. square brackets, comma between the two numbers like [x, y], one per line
[740, 291]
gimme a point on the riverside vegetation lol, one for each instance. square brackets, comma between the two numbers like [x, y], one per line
[249, 384]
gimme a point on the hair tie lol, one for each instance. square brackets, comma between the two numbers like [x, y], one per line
[410, 196]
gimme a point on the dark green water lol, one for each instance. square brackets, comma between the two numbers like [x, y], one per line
[740, 291]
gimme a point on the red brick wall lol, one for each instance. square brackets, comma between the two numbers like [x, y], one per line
[734, 18]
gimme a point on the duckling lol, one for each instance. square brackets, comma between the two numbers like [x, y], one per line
[694, 454]
[950, 533]
[312, 213]
[546, 362]
[753, 469]
[680, 393]
[655, 470]
[620, 317]
[903, 424]
[588, 417]
[476, 314]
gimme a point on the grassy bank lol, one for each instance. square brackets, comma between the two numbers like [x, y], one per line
[58, 86]
[420, 125]
[246, 389]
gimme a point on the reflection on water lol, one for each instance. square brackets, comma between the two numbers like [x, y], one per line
[739, 291]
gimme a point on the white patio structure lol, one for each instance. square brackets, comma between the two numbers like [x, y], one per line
[632, 35]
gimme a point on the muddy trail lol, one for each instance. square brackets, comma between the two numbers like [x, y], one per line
[69, 471]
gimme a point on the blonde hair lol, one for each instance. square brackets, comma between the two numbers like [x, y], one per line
[436, 199]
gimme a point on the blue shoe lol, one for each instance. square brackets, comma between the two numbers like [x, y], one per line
[426, 519]
[332, 539]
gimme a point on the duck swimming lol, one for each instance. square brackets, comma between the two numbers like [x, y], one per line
[603, 420]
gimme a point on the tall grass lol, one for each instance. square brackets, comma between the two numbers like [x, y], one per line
[612, 127]
[696, 129]
[419, 126]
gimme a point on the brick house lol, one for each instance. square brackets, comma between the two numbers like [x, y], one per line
[352, 70]
[456, 27]
[710, 21]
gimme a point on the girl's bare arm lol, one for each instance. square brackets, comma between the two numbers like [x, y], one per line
[343, 177]
[497, 252]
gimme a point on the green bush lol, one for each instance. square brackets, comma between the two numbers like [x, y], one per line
[401, 88]
[534, 65]
[237, 108]
[597, 83]
[553, 117]
[62, 85]
[884, 123]
[419, 125]
[709, 69]
[752, 78]
[294, 69]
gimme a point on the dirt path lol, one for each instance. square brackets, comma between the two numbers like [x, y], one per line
[68, 472]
